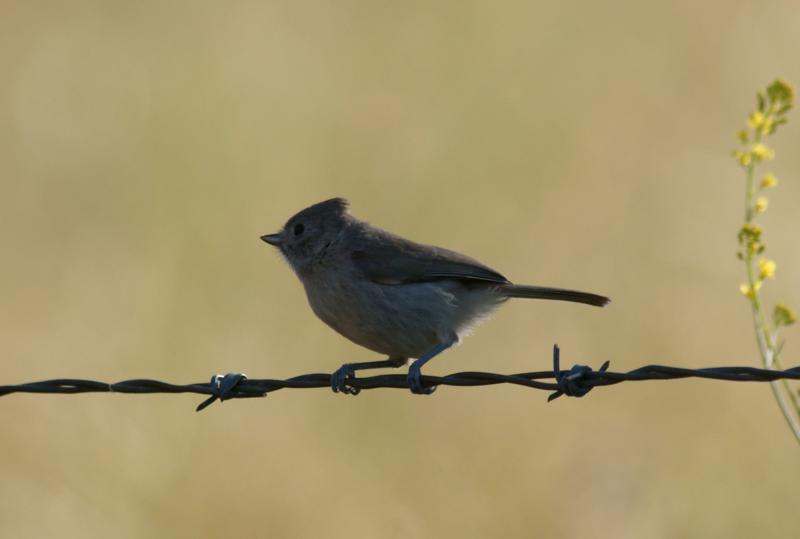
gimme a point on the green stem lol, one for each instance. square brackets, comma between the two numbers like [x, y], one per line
[765, 341]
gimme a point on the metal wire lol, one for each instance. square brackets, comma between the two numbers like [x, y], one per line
[575, 382]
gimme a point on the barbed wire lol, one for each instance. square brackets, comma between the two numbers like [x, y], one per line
[575, 382]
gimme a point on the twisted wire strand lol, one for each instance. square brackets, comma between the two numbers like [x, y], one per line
[575, 382]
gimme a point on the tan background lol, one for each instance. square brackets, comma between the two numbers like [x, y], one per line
[145, 147]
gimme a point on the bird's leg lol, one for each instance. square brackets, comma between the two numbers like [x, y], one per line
[348, 370]
[415, 370]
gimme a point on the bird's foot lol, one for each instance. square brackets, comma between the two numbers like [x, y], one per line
[339, 380]
[415, 381]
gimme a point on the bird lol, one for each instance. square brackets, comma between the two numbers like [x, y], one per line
[401, 299]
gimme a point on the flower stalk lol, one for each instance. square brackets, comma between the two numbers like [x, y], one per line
[772, 108]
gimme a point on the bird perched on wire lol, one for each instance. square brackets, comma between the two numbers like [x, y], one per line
[396, 297]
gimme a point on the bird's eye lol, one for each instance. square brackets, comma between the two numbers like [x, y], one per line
[298, 229]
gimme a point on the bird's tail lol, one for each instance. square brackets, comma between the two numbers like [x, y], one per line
[559, 294]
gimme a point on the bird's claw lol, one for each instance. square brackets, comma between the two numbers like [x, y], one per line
[415, 381]
[339, 380]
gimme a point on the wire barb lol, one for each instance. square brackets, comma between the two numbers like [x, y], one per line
[575, 382]
[224, 386]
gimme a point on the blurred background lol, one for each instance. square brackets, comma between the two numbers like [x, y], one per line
[145, 146]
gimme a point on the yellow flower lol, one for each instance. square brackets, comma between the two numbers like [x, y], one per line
[744, 288]
[761, 204]
[755, 120]
[762, 152]
[742, 136]
[766, 127]
[747, 291]
[766, 268]
[744, 158]
[769, 180]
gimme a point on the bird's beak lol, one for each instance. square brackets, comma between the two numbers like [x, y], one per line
[273, 239]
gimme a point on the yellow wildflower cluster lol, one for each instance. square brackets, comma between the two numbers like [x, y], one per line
[773, 104]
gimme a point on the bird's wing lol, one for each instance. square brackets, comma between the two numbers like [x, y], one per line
[388, 259]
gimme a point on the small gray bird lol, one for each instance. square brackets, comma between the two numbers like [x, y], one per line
[391, 295]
